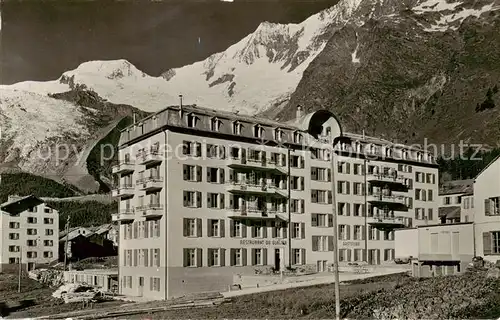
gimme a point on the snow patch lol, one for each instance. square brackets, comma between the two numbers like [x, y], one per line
[435, 6]
[444, 23]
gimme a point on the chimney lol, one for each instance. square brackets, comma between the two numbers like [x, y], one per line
[180, 106]
[299, 112]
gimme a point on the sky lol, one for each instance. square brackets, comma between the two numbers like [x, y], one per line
[41, 39]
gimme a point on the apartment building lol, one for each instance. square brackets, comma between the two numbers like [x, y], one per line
[205, 195]
[29, 231]
[456, 201]
[487, 212]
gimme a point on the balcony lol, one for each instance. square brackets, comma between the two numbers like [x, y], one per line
[257, 214]
[255, 189]
[149, 157]
[123, 167]
[151, 210]
[391, 201]
[255, 164]
[387, 222]
[150, 183]
[123, 190]
[386, 179]
[126, 214]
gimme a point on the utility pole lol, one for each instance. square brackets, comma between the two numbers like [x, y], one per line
[66, 243]
[20, 268]
[289, 209]
[365, 234]
[335, 236]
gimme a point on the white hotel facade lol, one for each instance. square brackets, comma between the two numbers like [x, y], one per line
[205, 195]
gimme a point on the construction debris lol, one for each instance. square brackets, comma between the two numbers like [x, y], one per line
[73, 292]
[50, 277]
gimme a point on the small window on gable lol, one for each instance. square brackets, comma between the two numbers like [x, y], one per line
[215, 124]
[388, 152]
[258, 131]
[404, 153]
[191, 120]
[419, 156]
[237, 127]
[297, 137]
[357, 146]
[328, 131]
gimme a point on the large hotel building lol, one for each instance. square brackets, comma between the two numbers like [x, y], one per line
[205, 195]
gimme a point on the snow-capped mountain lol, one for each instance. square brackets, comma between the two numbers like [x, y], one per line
[270, 69]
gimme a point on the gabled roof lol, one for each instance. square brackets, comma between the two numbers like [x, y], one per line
[452, 212]
[484, 169]
[457, 186]
[19, 205]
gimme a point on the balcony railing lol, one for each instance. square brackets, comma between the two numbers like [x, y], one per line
[387, 221]
[255, 164]
[392, 178]
[388, 199]
[124, 214]
[150, 183]
[125, 166]
[252, 213]
[122, 190]
[151, 210]
[149, 156]
[255, 188]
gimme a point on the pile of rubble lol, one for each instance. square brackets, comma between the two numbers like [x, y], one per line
[50, 277]
[73, 292]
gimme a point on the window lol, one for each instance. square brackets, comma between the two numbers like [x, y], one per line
[236, 228]
[492, 206]
[417, 194]
[321, 196]
[48, 220]
[446, 200]
[419, 177]
[48, 243]
[297, 137]
[320, 219]
[192, 199]
[258, 131]
[296, 162]
[31, 243]
[192, 227]
[298, 256]
[47, 210]
[192, 173]
[215, 228]
[14, 248]
[31, 232]
[154, 284]
[190, 148]
[33, 209]
[430, 214]
[216, 151]
[344, 209]
[13, 260]
[358, 234]
[320, 174]
[298, 230]
[458, 200]
[343, 167]
[344, 232]
[359, 210]
[191, 120]
[298, 206]
[192, 257]
[322, 243]
[215, 124]
[14, 225]
[237, 128]
[259, 230]
[13, 236]
[257, 257]
[49, 232]
[343, 187]
[31, 220]
[215, 257]
[358, 169]
[48, 254]
[358, 188]
[31, 254]
[215, 200]
[429, 195]
[297, 183]
[278, 134]
[238, 257]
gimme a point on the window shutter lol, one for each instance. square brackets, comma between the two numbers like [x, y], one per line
[185, 198]
[329, 174]
[244, 256]
[314, 175]
[209, 228]
[363, 208]
[274, 232]
[198, 149]
[243, 230]
[199, 232]
[487, 209]
[209, 200]
[285, 232]
[348, 232]
[209, 174]
[348, 209]
[264, 230]
[222, 178]
[314, 196]
[252, 258]
[185, 227]
[378, 234]
[339, 232]
[185, 171]
[222, 257]
[315, 243]
[330, 197]
[302, 206]
[314, 220]
[264, 256]
[347, 187]
[363, 233]
[348, 168]
[185, 256]
[301, 183]
[349, 254]
[210, 259]
[303, 256]
[232, 257]
[199, 172]
[487, 243]
[199, 257]
[198, 199]
[231, 175]
[433, 178]
[330, 243]
[302, 230]
[231, 228]
[222, 201]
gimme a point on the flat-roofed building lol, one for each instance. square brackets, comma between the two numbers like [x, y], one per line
[206, 194]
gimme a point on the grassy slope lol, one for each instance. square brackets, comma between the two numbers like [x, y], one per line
[85, 214]
[25, 184]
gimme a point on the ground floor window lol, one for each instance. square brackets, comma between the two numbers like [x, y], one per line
[154, 284]
[495, 237]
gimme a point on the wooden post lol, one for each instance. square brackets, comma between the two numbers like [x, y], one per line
[66, 244]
